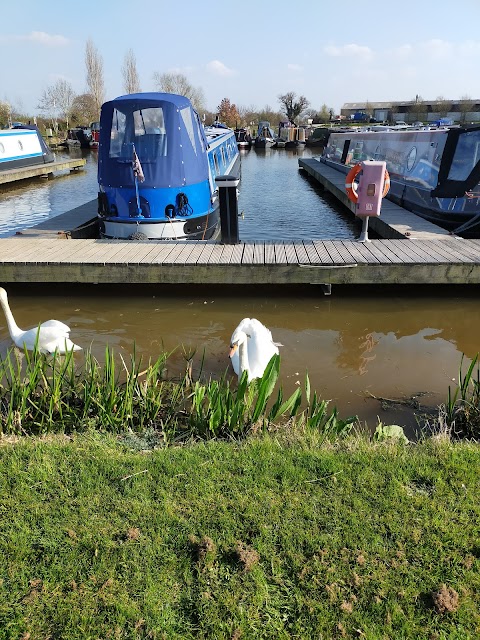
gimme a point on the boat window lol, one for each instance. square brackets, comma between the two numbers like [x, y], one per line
[117, 133]
[215, 162]
[467, 154]
[222, 151]
[186, 114]
[412, 156]
[2, 148]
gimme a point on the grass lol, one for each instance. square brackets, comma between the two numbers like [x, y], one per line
[283, 535]
[269, 518]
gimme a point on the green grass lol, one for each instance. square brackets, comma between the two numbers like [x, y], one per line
[280, 536]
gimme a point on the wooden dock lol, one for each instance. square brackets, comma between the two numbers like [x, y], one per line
[330, 262]
[393, 222]
[414, 253]
[47, 169]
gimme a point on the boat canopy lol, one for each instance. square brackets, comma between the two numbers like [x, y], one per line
[165, 133]
[460, 167]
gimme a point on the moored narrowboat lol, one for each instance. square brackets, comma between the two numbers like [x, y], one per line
[157, 166]
[434, 172]
[23, 146]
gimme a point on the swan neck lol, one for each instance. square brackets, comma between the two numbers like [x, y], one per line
[12, 325]
[243, 358]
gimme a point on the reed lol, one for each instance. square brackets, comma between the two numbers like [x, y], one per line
[41, 394]
[462, 409]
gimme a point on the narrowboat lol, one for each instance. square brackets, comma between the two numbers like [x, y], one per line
[434, 172]
[95, 131]
[157, 166]
[243, 138]
[265, 138]
[23, 146]
[79, 137]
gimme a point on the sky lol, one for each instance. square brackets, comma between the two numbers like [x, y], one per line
[250, 52]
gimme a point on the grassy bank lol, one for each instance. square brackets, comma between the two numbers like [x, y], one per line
[280, 536]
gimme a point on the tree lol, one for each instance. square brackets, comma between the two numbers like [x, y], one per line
[57, 100]
[419, 110]
[131, 81]
[178, 83]
[228, 113]
[293, 109]
[324, 115]
[466, 105]
[84, 109]
[95, 84]
[442, 106]
[5, 113]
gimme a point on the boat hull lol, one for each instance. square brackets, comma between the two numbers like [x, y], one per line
[198, 228]
[157, 169]
[430, 170]
[23, 147]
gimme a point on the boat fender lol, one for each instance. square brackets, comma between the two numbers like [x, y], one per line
[351, 188]
[170, 211]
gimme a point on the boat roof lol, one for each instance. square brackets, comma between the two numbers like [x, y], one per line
[155, 96]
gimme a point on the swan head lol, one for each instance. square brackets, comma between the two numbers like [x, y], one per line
[3, 296]
[238, 338]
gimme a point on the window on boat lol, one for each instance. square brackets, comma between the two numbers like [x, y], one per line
[466, 156]
[2, 148]
[412, 156]
[224, 162]
[187, 118]
[215, 162]
[117, 134]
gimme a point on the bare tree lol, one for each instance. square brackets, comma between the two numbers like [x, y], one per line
[293, 109]
[178, 83]
[131, 81]
[57, 100]
[94, 65]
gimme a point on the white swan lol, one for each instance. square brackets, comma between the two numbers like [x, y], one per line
[251, 348]
[52, 335]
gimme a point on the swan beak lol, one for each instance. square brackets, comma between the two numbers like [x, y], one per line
[233, 348]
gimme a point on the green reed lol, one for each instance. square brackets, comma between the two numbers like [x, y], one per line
[41, 393]
[462, 409]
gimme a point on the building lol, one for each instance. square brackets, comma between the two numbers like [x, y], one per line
[460, 111]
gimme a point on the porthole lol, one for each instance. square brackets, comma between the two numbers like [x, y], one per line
[20, 145]
[412, 156]
[2, 148]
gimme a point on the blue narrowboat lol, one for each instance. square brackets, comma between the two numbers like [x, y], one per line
[157, 166]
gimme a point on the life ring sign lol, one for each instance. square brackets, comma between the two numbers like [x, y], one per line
[374, 185]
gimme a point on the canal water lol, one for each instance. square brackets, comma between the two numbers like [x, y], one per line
[374, 352]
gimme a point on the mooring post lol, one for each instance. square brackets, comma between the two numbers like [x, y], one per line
[227, 194]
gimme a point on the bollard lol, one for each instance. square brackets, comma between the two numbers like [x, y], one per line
[227, 194]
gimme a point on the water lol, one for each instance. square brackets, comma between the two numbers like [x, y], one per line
[275, 198]
[359, 344]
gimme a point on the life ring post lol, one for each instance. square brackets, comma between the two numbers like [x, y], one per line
[374, 184]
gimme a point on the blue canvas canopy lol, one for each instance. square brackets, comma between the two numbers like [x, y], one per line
[163, 130]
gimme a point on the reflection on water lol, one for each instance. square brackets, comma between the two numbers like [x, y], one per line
[29, 202]
[353, 346]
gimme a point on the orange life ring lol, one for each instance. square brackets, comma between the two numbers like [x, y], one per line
[350, 187]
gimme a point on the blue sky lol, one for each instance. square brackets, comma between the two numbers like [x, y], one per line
[249, 51]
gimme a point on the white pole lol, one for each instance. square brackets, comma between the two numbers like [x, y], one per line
[364, 235]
